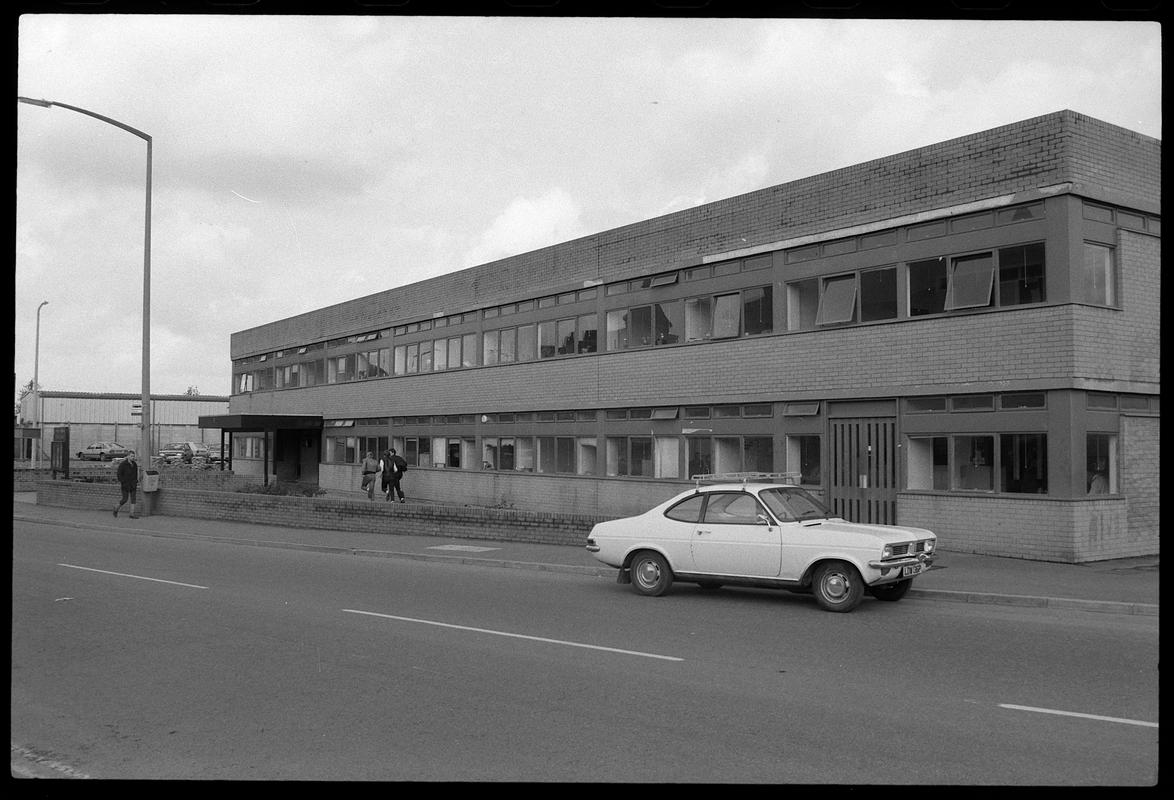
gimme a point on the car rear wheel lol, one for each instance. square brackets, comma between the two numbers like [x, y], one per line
[837, 586]
[650, 573]
[891, 591]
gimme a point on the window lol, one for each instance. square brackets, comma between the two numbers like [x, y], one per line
[490, 343]
[1021, 275]
[342, 449]
[700, 454]
[527, 339]
[688, 510]
[878, 294]
[667, 322]
[971, 281]
[726, 312]
[1100, 453]
[974, 460]
[838, 303]
[803, 456]
[1099, 279]
[758, 453]
[565, 337]
[972, 463]
[973, 402]
[927, 287]
[731, 508]
[757, 310]
[1023, 463]
[585, 454]
[439, 355]
[588, 339]
[916, 405]
[698, 319]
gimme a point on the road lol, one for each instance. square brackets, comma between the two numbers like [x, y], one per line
[137, 657]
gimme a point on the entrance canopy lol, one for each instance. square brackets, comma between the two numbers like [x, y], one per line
[259, 423]
[247, 423]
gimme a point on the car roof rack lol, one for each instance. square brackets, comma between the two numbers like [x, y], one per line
[746, 477]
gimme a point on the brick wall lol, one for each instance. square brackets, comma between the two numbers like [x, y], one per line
[336, 513]
[1066, 531]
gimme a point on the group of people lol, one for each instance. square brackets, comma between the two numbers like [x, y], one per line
[390, 468]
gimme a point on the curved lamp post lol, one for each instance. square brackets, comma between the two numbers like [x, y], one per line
[145, 441]
[37, 388]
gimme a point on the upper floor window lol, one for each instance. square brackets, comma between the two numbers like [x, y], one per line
[961, 282]
[1098, 278]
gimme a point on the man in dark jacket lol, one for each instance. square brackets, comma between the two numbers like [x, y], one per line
[128, 478]
[393, 467]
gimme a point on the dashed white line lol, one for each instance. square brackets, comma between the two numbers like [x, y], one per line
[1078, 714]
[136, 577]
[514, 635]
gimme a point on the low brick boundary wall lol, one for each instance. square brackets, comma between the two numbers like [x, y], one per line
[336, 513]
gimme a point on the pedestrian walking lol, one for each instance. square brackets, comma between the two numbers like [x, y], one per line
[393, 467]
[370, 468]
[128, 479]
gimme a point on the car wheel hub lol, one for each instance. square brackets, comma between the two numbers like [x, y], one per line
[835, 586]
[647, 573]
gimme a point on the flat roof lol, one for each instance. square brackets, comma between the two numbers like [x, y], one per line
[261, 422]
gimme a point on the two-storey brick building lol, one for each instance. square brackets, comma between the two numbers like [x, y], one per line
[963, 337]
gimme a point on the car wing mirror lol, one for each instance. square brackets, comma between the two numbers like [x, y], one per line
[763, 519]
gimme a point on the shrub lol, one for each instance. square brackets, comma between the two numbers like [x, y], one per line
[283, 489]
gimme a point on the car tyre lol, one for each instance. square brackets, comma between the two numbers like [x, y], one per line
[837, 586]
[650, 573]
[891, 592]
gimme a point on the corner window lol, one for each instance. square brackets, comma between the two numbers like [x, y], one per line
[1098, 278]
[1100, 454]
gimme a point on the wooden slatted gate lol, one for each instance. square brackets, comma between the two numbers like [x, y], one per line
[864, 470]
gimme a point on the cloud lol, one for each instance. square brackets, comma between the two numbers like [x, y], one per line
[527, 224]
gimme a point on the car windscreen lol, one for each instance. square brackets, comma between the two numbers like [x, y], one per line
[792, 504]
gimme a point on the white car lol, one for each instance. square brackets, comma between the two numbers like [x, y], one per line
[755, 532]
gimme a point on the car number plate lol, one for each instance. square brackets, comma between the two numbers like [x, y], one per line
[912, 569]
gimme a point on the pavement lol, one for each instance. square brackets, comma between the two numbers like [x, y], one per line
[1121, 586]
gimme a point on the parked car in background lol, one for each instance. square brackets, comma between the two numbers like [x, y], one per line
[183, 452]
[102, 451]
[747, 530]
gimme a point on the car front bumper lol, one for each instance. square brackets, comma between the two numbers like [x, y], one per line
[901, 568]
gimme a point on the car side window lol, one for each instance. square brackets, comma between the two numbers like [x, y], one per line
[688, 510]
[732, 508]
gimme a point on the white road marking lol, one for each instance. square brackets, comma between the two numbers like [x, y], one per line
[467, 548]
[1077, 714]
[138, 577]
[514, 635]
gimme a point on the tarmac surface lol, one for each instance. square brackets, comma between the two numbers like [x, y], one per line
[1122, 586]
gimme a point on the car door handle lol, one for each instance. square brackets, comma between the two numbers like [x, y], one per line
[702, 533]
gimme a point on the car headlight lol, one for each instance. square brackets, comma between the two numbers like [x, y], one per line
[886, 552]
[929, 545]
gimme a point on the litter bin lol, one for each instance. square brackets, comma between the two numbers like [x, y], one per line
[150, 489]
[151, 480]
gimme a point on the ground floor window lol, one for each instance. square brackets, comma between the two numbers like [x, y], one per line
[1101, 463]
[803, 456]
[1009, 462]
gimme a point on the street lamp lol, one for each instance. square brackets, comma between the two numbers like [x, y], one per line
[145, 441]
[37, 388]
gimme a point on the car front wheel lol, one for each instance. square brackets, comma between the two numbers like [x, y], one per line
[837, 586]
[651, 574]
[891, 591]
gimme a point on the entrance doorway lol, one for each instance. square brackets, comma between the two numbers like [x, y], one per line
[863, 458]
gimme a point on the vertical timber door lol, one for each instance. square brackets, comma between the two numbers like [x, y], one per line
[863, 456]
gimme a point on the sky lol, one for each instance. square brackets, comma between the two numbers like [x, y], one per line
[303, 161]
